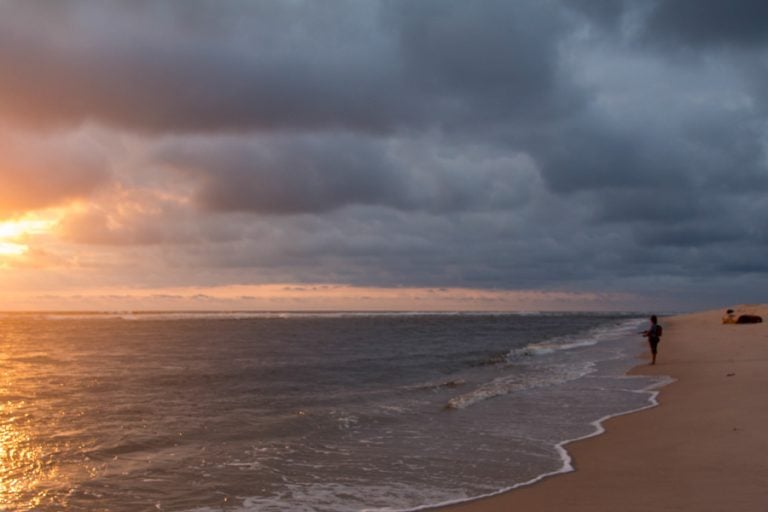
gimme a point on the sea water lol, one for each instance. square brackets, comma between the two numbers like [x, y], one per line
[211, 412]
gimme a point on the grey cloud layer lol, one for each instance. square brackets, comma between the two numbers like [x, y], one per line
[346, 65]
[743, 22]
[316, 174]
[524, 143]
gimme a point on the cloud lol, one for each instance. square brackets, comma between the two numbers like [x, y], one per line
[157, 67]
[286, 176]
[302, 66]
[317, 174]
[41, 172]
[710, 23]
[588, 145]
[603, 12]
[123, 217]
[492, 62]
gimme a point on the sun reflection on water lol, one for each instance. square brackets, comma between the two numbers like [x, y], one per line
[22, 459]
[28, 472]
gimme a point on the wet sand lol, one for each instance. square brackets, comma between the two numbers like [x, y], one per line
[704, 448]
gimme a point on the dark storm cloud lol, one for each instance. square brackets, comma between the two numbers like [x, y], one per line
[187, 66]
[604, 13]
[695, 22]
[194, 66]
[287, 177]
[657, 173]
[317, 174]
[497, 58]
[691, 23]
[592, 156]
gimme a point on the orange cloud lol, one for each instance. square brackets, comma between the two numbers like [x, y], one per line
[38, 172]
[315, 297]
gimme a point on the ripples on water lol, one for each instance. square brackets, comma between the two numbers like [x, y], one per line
[295, 412]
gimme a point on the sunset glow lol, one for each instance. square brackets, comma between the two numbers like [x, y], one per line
[14, 234]
[11, 249]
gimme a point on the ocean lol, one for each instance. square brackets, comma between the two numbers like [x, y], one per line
[214, 412]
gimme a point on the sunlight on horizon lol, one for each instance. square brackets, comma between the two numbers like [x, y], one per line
[14, 233]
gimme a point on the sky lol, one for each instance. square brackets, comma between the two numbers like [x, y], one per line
[359, 154]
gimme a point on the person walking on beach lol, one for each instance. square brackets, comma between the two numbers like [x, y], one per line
[654, 335]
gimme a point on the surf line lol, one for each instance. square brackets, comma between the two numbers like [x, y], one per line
[652, 390]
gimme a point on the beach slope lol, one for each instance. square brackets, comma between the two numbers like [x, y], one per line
[702, 449]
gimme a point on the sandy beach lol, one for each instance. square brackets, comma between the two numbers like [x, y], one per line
[702, 449]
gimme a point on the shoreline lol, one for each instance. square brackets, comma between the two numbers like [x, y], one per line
[621, 467]
[653, 392]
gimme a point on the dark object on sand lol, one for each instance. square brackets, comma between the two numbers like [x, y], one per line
[749, 319]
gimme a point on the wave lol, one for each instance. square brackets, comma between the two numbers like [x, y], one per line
[548, 376]
[550, 347]
[545, 374]
[437, 385]
[574, 341]
[324, 496]
[652, 391]
[36, 360]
